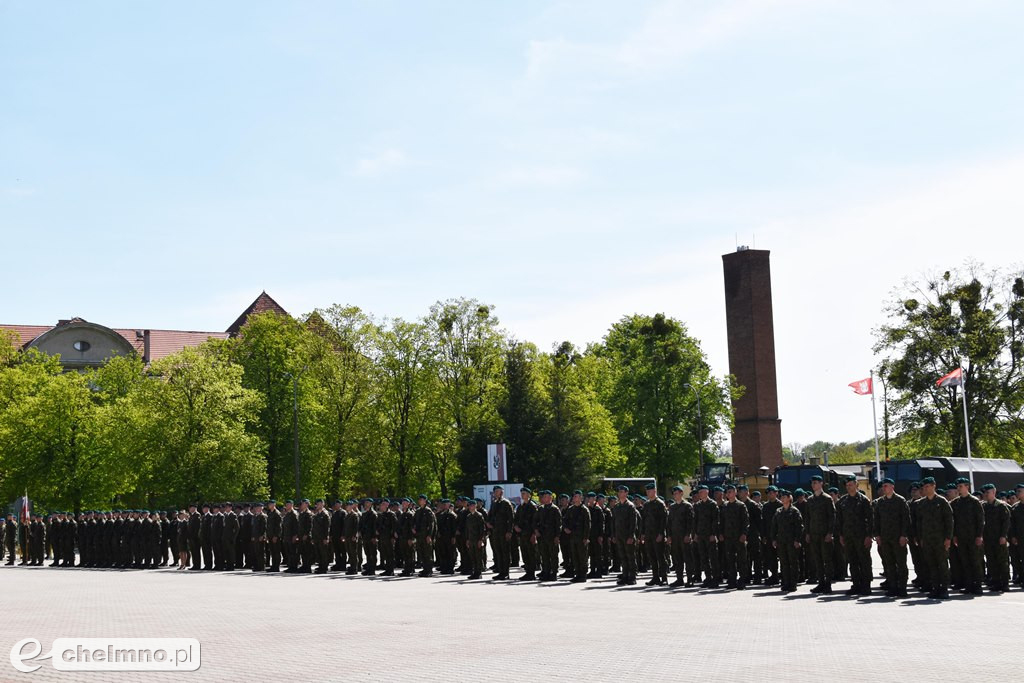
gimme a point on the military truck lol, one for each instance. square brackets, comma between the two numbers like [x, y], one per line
[1004, 473]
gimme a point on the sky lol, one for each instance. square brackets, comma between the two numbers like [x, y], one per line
[569, 162]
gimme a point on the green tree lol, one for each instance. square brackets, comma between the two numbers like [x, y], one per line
[969, 318]
[469, 358]
[274, 350]
[191, 422]
[655, 367]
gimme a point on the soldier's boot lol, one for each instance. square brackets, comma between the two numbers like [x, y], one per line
[975, 589]
[529, 576]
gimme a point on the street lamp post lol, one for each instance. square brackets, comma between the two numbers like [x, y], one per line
[295, 428]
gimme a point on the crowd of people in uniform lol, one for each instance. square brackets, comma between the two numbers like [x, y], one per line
[721, 535]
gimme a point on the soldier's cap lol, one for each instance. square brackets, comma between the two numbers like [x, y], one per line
[718, 489]
[622, 487]
[205, 505]
[1020, 486]
[578, 492]
[951, 486]
[422, 496]
[928, 480]
[318, 500]
[817, 477]
[703, 487]
[367, 500]
[497, 487]
[742, 487]
[545, 492]
[799, 492]
[601, 496]
[963, 480]
[351, 501]
[471, 501]
[729, 487]
[591, 494]
[563, 495]
[525, 489]
[271, 502]
[677, 488]
[772, 487]
[445, 500]
[915, 485]
[229, 505]
[833, 489]
[246, 505]
[988, 487]
[850, 477]
[479, 500]
[650, 485]
[755, 494]
[305, 500]
[785, 494]
[257, 504]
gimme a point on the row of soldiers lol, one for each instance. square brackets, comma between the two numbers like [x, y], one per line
[721, 534]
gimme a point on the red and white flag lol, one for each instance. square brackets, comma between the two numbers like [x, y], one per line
[863, 387]
[953, 379]
[24, 513]
[496, 462]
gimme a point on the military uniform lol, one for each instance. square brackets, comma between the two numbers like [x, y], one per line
[337, 533]
[499, 523]
[933, 519]
[706, 530]
[625, 525]
[525, 525]
[786, 533]
[996, 539]
[892, 528]
[321, 537]
[549, 530]
[597, 541]
[368, 536]
[968, 527]
[1017, 537]
[353, 551]
[821, 520]
[735, 521]
[387, 531]
[275, 536]
[854, 522]
[306, 549]
[258, 538]
[753, 568]
[205, 539]
[476, 537]
[425, 528]
[576, 525]
[680, 531]
[770, 558]
[446, 523]
[655, 521]
[290, 539]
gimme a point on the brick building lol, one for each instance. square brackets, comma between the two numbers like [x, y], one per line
[83, 344]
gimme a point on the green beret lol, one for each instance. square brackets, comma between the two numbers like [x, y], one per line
[319, 500]
[591, 494]
[622, 487]
[915, 485]
[496, 487]
[772, 487]
[850, 477]
[785, 494]
[290, 501]
[423, 496]
[951, 486]
[817, 477]
[650, 486]
[526, 489]
[305, 500]
[445, 500]
[577, 492]
[563, 495]
[729, 487]
[718, 489]
[545, 492]
[742, 487]
[601, 496]
[928, 480]
[799, 492]
[833, 489]
[702, 487]
[471, 501]
[889, 481]
[988, 487]
[677, 488]
[963, 480]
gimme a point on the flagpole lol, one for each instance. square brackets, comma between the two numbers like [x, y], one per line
[874, 423]
[967, 429]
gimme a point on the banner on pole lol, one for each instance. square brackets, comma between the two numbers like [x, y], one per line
[497, 465]
[863, 387]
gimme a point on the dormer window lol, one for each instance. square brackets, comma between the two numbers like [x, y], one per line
[81, 345]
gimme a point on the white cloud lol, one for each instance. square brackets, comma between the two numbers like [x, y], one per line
[383, 162]
[539, 176]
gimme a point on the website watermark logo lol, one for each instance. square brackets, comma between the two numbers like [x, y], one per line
[109, 654]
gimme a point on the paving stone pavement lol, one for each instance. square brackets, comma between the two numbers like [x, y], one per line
[340, 628]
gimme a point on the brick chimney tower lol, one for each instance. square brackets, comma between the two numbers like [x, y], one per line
[757, 435]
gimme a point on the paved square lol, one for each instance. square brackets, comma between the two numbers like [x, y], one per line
[339, 628]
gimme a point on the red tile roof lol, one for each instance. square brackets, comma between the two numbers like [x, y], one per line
[161, 342]
[262, 304]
